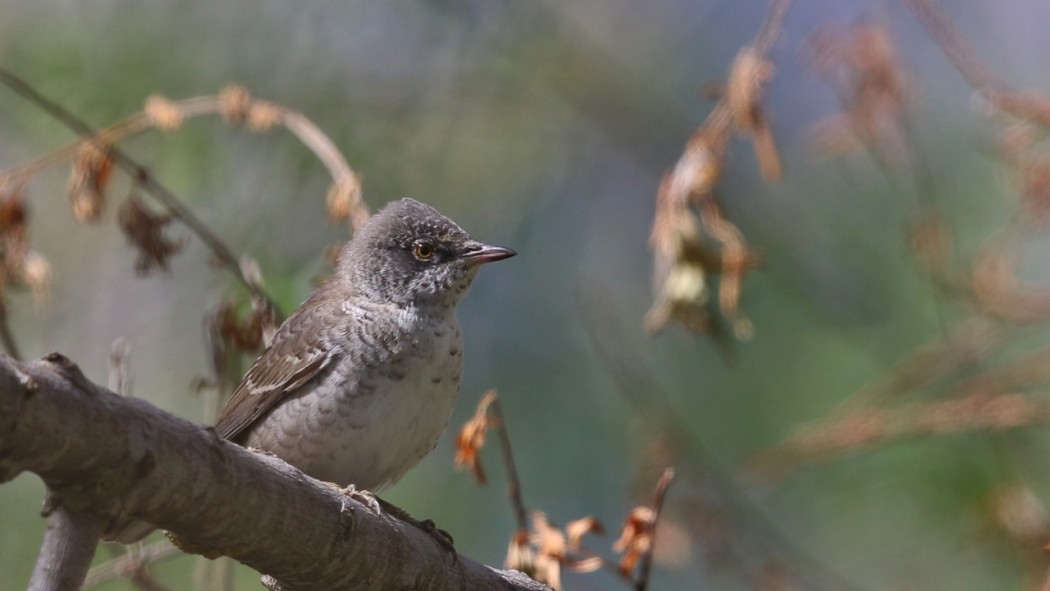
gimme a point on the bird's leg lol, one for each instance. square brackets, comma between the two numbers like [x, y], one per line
[441, 536]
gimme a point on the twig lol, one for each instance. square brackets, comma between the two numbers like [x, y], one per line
[926, 364]
[646, 564]
[513, 483]
[771, 27]
[119, 375]
[1019, 104]
[136, 562]
[7, 338]
[868, 428]
[945, 35]
[129, 563]
[142, 176]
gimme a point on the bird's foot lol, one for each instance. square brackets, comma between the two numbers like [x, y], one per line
[442, 537]
[365, 497]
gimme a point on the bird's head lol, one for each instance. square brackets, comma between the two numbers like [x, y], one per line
[410, 254]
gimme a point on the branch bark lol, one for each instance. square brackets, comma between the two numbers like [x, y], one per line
[69, 546]
[115, 459]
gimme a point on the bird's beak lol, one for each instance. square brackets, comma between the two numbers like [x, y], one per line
[479, 254]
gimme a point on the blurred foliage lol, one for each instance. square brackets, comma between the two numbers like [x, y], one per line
[548, 127]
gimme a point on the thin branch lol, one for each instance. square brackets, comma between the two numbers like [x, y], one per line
[944, 34]
[1019, 104]
[142, 176]
[119, 374]
[7, 338]
[867, 429]
[646, 565]
[131, 562]
[771, 27]
[513, 482]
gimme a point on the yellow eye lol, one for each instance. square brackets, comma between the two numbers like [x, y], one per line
[423, 251]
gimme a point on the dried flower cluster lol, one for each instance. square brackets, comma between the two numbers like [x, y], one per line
[472, 438]
[862, 65]
[20, 265]
[145, 231]
[691, 239]
[540, 548]
[232, 333]
[547, 549]
[92, 170]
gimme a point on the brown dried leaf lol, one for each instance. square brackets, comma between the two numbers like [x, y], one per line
[584, 565]
[14, 234]
[679, 281]
[765, 149]
[737, 260]
[92, 169]
[230, 334]
[743, 96]
[145, 230]
[576, 529]
[36, 275]
[744, 88]
[244, 335]
[682, 260]
[519, 553]
[636, 537]
[863, 66]
[549, 542]
[14, 229]
[344, 202]
[472, 438]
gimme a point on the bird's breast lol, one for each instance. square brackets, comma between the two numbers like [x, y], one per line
[375, 415]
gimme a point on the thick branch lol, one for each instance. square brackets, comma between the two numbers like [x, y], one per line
[118, 458]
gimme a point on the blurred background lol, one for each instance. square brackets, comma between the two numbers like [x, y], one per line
[547, 126]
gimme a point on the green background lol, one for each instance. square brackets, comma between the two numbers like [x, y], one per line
[546, 126]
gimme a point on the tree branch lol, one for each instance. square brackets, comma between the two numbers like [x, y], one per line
[69, 546]
[118, 458]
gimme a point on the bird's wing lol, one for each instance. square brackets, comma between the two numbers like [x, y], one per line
[296, 355]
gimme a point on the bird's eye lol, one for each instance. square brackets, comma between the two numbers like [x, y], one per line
[423, 251]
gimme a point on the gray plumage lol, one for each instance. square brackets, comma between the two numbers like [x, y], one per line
[358, 384]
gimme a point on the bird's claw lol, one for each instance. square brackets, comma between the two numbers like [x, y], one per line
[442, 537]
[365, 497]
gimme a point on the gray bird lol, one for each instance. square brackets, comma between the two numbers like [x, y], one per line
[359, 383]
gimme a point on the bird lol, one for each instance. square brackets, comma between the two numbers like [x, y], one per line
[359, 383]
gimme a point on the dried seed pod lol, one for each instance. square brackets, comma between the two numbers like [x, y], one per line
[92, 170]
